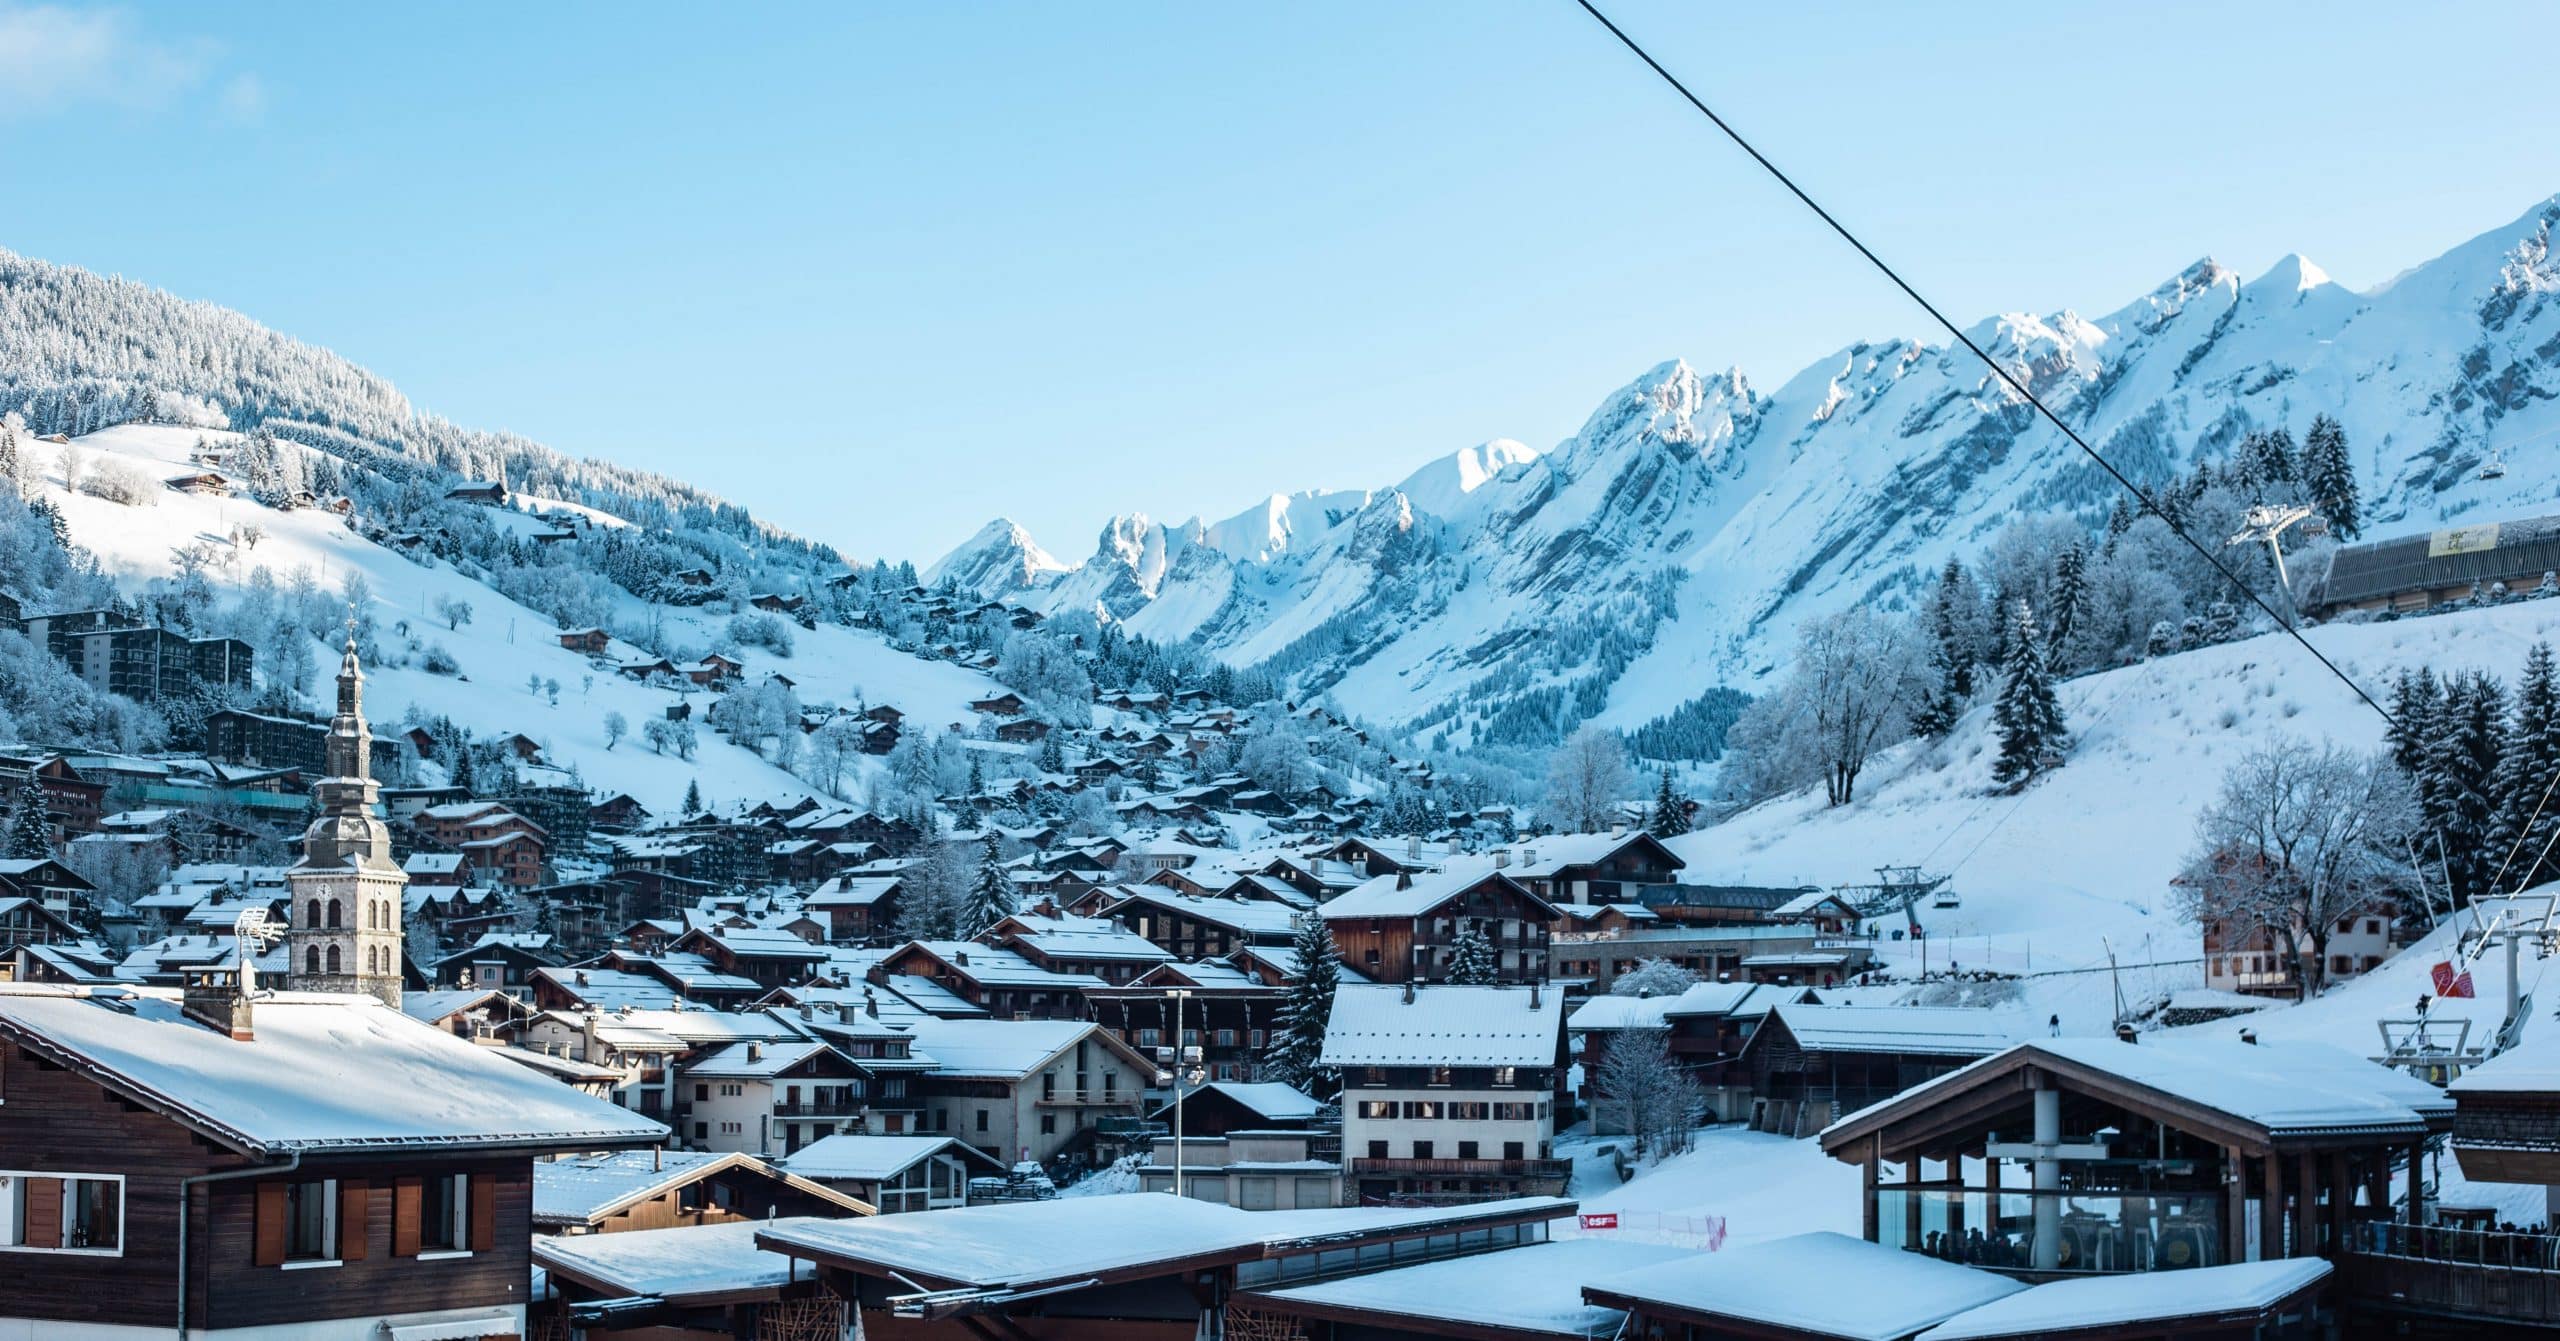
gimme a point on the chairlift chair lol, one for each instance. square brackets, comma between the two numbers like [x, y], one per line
[2495, 468]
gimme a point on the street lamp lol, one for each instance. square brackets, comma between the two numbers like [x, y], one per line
[1183, 1059]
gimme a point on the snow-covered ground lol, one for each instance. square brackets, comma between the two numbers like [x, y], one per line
[1731, 1186]
[2076, 868]
[505, 643]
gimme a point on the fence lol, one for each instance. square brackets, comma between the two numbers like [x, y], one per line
[1705, 1232]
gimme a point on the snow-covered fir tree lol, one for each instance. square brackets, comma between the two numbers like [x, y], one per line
[991, 893]
[2456, 777]
[1670, 816]
[30, 828]
[1471, 957]
[1951, 620]
[2528, 814]
[1297, 1044]
[2027, 717]
[2329, 478]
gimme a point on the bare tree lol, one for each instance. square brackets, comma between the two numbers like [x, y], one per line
[1850, 692]
[1641, 1088]
[1586, 779]
[2301, 838]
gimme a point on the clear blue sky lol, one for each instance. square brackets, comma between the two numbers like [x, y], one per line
[883, 273]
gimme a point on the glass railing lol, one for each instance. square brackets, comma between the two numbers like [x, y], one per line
[2093, 1232]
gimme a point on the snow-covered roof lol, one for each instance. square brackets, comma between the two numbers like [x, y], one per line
[754, 1061]
[995, 1049]
[1267, 1098]
[1117, 943]
[1934, 1031]
[1824, 1283]
[852, 891]
[1026, 1243]
[1536, 1289]
[1373, 1025]
[1252, 916]
[433, 1006]
[872, 1158]
[2136, 1298]
[670, 1264]
[1412, 894]
[1004, 968]
[609, 989]
[582, 1189]
[2284, 1088]
[2532, 1066]
[323, 1072]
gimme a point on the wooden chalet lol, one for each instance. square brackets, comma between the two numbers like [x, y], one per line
[1229, 1014]
[1404, 927]
[1809, 1064]
[622, 1191]
[177, 1161]
[593, 642]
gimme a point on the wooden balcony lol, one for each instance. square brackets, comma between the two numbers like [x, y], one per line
[1465, 1168]
[1089, 1099]
[2469, 1276]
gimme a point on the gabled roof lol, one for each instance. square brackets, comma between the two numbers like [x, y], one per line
[1373, 1025]
[696, 1265]
[323, 1073]
[584, 1189]
[1009, 1049]
[1932, 1031]
[1415, 894]
[2250, 1091]
[878, 1158]
[1253, 917]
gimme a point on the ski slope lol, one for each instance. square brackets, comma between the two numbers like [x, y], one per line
[505, 643]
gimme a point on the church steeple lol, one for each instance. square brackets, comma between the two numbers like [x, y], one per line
[347, 891]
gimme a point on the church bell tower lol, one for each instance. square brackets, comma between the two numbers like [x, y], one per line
[347, 892]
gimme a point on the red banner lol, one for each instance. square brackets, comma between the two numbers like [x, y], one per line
[1600, 1220]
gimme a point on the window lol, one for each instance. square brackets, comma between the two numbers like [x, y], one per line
[1256, 1039]
[1440, 1075]
[1466, 1150]
[701, 1093]
[311, 1221]
[1470, 1112]
[1422, 1110]
[444, 1213]
[1422, 1150]
[1505, 1077]
[733, 1091]
[1514, 1150]
[982, 1119]
[733, 1129]
[1377, 1150]
[1375, 1109]
[61, 1213]
[1515, 1113]
[1048, 1124]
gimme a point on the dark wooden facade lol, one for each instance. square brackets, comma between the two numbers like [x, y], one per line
[1421, 947]
[57, 1122]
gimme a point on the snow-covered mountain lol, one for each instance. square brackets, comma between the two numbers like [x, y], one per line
[1673, 543]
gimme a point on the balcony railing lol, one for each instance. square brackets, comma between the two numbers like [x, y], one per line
[1089, 1099]
[1466, 1168]
[2163, 1230]
[822, 1108]
[2473, 1274]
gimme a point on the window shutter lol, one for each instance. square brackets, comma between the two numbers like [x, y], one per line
[405, 1197]
[355, 1202]
[269, 1250]
[42, 1227]
[484, 1212]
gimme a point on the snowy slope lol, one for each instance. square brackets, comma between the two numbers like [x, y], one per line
[1698, 517]
[504, 643]
[2078, 865]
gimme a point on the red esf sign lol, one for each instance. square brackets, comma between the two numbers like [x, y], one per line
[1603, 1220]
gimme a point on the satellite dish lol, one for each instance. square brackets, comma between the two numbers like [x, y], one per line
[252, 932]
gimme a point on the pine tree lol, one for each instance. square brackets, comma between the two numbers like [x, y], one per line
[1951, 653]
[2523, 787]
[692, 798]
[2415, 701]
[2329, 477]
[991, 893]
[2028, 716]
[2275, 464]
[2070, 602]
[2454, 781]
[1670, 816]
[1053, 755]
[1471, 957]
[462, 775]
[1297, 1045]
[977, 776]
[30, 827]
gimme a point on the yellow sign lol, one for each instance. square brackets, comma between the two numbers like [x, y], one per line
[2462, 540]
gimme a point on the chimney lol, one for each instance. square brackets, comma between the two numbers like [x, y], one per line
[844, 1012]
[1408, 991]
[1533, 995]
[1501, 858]
[870, 1004]
[211, 995]
[582, 978]
[594, 1047]
[1528, 856]
[1404, 879]
[1617, 828]
[755, 1052]
[807, 1012]
[961, 957]
[1413, 847]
